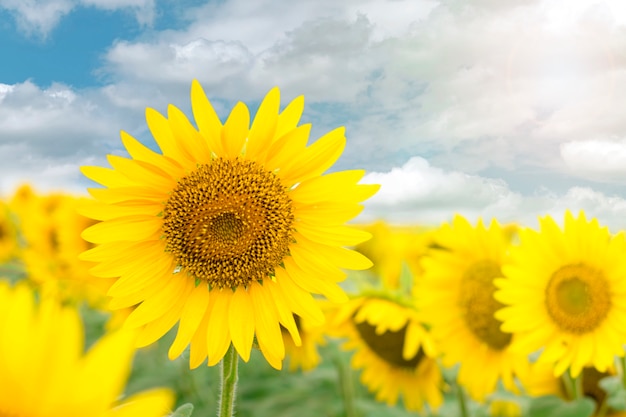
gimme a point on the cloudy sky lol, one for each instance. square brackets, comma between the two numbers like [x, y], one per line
[494, 108]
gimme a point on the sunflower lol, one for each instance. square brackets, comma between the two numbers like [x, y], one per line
[229, 230]
[50, 227]
[44, 372]
[562, 293]
[392, 248]
[8, 234]
[393, 350]
[305, 356]
[455, 297]
[540, 381]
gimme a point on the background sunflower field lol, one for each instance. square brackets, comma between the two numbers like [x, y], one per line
[322, 378]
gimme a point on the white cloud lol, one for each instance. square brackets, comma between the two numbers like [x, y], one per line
[45, 134]
[596, 159]
[476, 86]
[419, 193]
[39, 17]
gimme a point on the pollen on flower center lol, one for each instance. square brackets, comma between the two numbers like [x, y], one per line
[388, 346]
[228, 223]
[578, 298]
[477, 302]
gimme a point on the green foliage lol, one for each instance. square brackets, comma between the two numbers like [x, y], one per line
[551, 406]
[184, 410]
[616, 393]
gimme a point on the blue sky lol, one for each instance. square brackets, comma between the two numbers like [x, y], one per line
[506, 109]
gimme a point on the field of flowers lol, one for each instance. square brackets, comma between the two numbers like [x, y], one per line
[417, 337]
[224, 274]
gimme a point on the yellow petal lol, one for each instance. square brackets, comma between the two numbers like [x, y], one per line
[161, 302]
[285, 315]
[191, 316]
[298, 300]
[264, 126]
[338, 186]
[130, 228]
[198, 349]
[163, 135]
[235, 131]
[290, 117]
[327, 213]
[100, 211]
[287, 147]
[208, 123]
[141, 172]
[188, 137]
[125, 194]
[341, 257]
[314, 284]
[140, 152]
[333, 235]
[105, 176]
[317, 158]
[218, 334]
[241, 322]
[153, 403]
[267, 328]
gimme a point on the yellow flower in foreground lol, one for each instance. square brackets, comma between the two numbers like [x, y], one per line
[394, 351]
[44, 372]
[229, 231]
[563, 292]
[455, 296]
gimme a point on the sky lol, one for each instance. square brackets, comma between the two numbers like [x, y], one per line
[505, 109]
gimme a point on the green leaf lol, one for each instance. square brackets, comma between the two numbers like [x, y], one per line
[615, 391]
[552, 406]
[184, 410]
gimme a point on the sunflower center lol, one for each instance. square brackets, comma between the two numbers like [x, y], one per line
[227, 227]
[478, 305]
[578, 298]
[388, 346]
[228, 223]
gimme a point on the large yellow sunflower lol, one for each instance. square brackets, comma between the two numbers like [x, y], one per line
[455, 297]
[44, 372]
[229, 230]
[393, 350]
[563, 292]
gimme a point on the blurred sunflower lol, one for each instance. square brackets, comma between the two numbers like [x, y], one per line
[455, 297]
[44, 372]
[540, 381]
[304, 356]
[51, 228]
[8, 234]
[392, 248]
[229, 230]
[393, 350]
[562, 293]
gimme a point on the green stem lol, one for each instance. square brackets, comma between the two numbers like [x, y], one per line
[622, 361]
[347, 387]
[462, 401]
[229, 383]
[573, 386]
[602, 409]
[578, 387]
